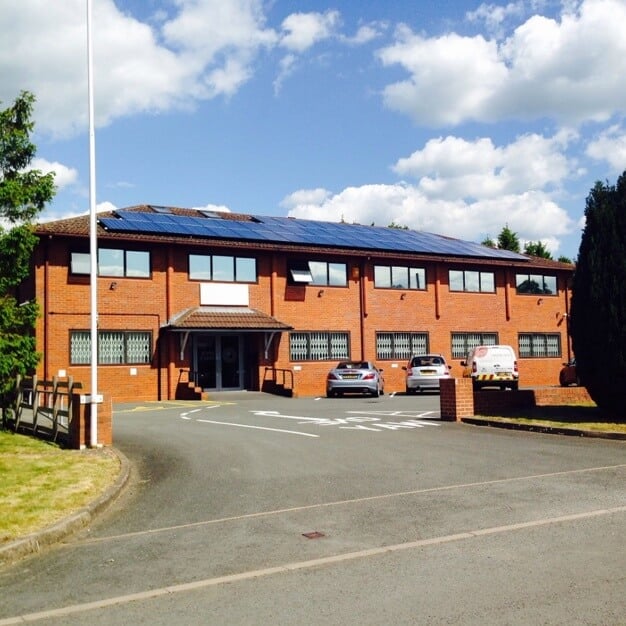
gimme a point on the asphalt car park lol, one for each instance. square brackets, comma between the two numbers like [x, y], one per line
[254, 509]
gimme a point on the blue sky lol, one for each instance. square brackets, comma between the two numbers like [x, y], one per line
[453, 117]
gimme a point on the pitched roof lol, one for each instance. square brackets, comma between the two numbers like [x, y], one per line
[226, 318]
[175, 225]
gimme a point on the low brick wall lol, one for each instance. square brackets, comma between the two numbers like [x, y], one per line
[458, 399]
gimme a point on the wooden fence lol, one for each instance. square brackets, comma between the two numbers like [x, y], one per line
[44, 407]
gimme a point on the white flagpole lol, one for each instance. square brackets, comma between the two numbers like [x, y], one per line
[93, 243]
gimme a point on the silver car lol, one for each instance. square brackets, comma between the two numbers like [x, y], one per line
[355, 377]
[424, 371]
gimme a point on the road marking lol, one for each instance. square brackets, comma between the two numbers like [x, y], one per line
[163, 406]
[275, 430]
[302, 565]
[322, 505]
[372, 417]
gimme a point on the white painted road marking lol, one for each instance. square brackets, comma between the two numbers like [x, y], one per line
[302, 565]
[276, 430]
[374, 423]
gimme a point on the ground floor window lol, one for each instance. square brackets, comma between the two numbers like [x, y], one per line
[116, 347]
[400, 345]
[539, 344]
[319, 345]
[462, 343]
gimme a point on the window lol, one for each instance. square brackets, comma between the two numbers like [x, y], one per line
[317, 273]
[80, 263]
[472, 281]
[114, 347]
[400, 345]
[399, 277]
[535, 283]
[222, 268]
[319, 346]
[462, 343]
[539, 345]
[113, 262]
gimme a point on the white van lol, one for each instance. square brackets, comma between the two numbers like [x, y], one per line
[492, 366]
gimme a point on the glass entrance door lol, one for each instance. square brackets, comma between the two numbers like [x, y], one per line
[230, 360]
[218, 360]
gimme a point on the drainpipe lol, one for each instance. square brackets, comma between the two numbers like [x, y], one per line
[363, 307]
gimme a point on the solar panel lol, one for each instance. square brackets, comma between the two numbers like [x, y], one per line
[307, 232]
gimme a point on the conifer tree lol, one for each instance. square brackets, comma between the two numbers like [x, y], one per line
[598, 313]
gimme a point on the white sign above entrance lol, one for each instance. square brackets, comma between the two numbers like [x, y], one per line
[224, 294]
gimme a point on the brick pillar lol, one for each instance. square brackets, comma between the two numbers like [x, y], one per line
[80, 425]
[456, 399]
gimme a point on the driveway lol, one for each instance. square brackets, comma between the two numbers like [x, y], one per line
[264, 510]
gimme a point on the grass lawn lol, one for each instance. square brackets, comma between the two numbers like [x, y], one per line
[580, 417]
[42, 482]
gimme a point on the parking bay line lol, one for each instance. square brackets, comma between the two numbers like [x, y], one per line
[302, 565]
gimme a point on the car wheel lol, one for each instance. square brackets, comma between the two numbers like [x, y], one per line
[514, 386]
[375, 393]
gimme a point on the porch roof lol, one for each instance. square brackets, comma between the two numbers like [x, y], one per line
[225, 318]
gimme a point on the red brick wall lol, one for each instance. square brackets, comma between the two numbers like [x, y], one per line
[139, 304]
[493, 402]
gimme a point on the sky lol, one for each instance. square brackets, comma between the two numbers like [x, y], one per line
[448, 116]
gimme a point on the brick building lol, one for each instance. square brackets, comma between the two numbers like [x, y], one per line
[192, 300]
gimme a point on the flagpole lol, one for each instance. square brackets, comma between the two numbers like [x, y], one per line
[93, 244]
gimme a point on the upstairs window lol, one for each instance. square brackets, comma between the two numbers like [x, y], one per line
[300, 272]
[113, 262]
[535, 284]
[472, 281]
[399, 277]
[222, 268]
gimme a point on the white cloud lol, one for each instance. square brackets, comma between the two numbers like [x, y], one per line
[287, 66]
[206, 50]
[305, 197]
[610, 146]
[303, 30]
[493, 16]
[464, 189]
[530, 214]
[64, 176]
[452, 167]
[569, 69]
[365, 33]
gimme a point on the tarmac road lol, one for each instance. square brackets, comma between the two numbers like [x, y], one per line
[265, 510]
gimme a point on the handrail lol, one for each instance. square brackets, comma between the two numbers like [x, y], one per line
[279, 376]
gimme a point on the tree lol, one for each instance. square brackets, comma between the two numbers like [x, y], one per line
[398, 226]
[489, 242]
[508, 240]
[598, 312]
[564, 259]
[536, 248]
[24, 193]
